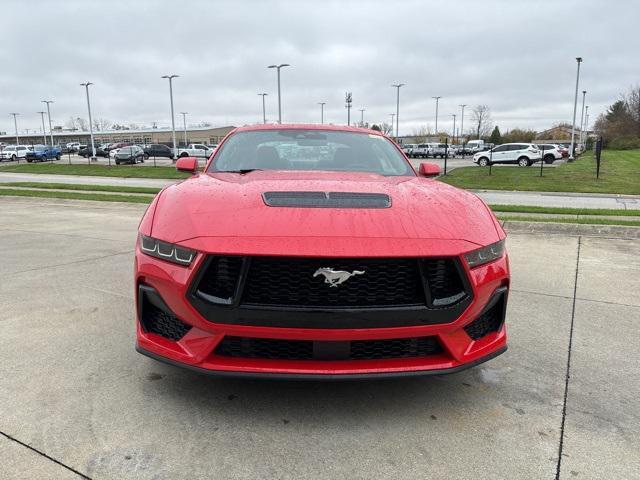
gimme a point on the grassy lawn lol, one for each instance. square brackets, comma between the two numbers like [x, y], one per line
[565, 211]
[71, 186]
[619, 173]
[97, 170]
[100, 197]
[584, 221]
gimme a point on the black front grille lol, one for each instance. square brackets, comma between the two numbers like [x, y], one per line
[159, 321]
[444, 280]
[220, 277]
[272, 349]
[387, 282]
[490, 320]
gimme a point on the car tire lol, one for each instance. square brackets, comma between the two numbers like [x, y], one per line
[117, 162]
[13, 158]
[58, 157]
[524, 162]
[29, 160]
[483, 162]
[549, 159]
[184, 154]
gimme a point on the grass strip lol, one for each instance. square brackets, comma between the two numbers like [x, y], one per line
[100, 197]
[584, 221]
[565, 211]
[130, 171]
[71, 186]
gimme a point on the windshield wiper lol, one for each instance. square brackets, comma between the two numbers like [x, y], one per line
[242, 171]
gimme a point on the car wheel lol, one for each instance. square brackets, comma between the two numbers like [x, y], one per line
[549, 159]
[523, 162]
[29, 160]
[58, 157]
[184, 154]
[483, 162]
[13, 158]
[117, 162]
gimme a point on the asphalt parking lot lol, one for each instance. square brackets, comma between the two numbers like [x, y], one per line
[76, 397]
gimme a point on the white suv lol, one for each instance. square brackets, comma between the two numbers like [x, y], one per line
[12, 152]
[524, 154]
[550, 152]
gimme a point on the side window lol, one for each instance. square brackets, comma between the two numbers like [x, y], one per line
[514, 147]
[501, 148]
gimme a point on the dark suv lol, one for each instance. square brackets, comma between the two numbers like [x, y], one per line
[158, 150]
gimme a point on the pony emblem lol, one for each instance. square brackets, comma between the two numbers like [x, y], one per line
[336, 277]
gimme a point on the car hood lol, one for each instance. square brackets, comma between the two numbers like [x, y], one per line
[229, 207]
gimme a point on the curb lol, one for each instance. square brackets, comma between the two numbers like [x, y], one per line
[572, 229]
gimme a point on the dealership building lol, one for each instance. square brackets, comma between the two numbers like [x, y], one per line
[206, 135]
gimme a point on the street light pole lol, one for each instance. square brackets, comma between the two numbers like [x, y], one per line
[584, 94]
[173, 120]
[586, 123]
[184, 126]
[392, 115]
[264, 111]
[437, 101]
[278, 67]
[44, 132]
[397, 87]
[462, 119]
[362, 110]
[322, 104]
[15, 124]
[48, 102]
[454, 127]
[575, 104]
[93, 148]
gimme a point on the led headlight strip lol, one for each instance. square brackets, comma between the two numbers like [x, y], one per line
[485, 254]
[166, 251]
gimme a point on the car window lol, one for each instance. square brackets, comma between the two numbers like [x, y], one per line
[315, 150]
[501, 148]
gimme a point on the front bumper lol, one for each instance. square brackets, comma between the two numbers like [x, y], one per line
[198, 349]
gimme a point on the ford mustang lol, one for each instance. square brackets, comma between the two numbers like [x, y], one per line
[315, 251]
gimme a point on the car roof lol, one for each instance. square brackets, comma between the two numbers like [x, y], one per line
[305, 126]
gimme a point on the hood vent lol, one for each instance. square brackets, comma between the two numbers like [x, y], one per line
[327, 199]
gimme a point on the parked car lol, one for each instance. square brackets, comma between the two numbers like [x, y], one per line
[524, 154]
[86, 152]
[14, 152]
[73, 147]
[132, 154]
[158, 150]
[195, 150]
[551, 152]
[116, 146]
[421, 150]
[41, 153]
[408, 149]
[261, 295]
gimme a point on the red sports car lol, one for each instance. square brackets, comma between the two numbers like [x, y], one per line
[315, 251]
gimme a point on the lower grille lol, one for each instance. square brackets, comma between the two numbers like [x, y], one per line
[489, 321]
[159, 320]
[276, 349]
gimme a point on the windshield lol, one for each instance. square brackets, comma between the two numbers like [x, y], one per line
[297, 149]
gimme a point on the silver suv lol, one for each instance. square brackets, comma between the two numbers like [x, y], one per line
[524, 154]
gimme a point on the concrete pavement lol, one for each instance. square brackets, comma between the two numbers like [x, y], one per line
[72, 387]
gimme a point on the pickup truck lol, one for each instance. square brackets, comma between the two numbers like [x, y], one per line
[195, 150]
[41, 153]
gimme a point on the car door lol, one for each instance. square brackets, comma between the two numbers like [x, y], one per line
[498, 154]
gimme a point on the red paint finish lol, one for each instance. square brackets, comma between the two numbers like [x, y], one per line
[224, 213]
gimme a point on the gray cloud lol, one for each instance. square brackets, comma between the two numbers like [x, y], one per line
[515, 56]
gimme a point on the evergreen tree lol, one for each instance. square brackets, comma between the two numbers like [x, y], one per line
[496, 137]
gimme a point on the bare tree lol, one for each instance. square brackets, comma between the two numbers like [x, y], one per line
[422, 134]
[71, 124]
[82, 124]
[101, 124]
[386, 128]
[481, 119]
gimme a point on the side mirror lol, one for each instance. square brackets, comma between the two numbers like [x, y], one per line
[187, 164]
[429, 170]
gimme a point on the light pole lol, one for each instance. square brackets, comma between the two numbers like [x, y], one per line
[392, 115]
[575, 104]
[362, 110]
[184, 126]
[15, 123]
[173, 120]
[462, 119]
[348, 98]
[44, 132]
[48, 102]
[278, 67]
[586, 124]
[584, 94]
[93, 148]
[322, 104]
[264, 111]
[437, 101]
[454, 127]
[397, 87]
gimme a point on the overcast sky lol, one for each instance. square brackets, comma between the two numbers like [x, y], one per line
[517, 57]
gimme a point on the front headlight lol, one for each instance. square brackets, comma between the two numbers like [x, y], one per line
[485, 254]
[166, 251]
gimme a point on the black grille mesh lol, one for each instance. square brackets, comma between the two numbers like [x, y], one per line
[490, 321]
[221, 277]
[291, 282]
[161, 323]
[273, 349]
[444, 281]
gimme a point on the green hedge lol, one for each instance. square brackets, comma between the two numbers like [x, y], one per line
[624, 143]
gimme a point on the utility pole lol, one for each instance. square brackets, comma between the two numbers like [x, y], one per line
[93, 147]
[575, 104]
[362, 110]
[437, 101]
[397, 87]
[392, 115]
[48, 102]
[44, 132]
[15, 123]
[454, 127]
[462, 119]
[278, 67]
[184, 126]
[584, 94]
[348, 98]
[264, 111]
